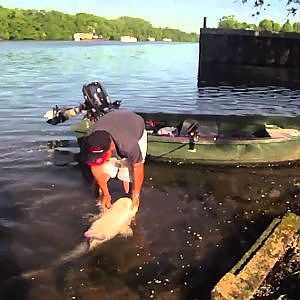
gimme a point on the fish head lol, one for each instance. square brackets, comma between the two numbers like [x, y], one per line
[90, 235]
[94, 239]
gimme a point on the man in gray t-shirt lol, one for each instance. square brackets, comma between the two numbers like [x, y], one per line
[116, 145]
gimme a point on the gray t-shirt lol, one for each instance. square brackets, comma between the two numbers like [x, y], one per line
[126, 128]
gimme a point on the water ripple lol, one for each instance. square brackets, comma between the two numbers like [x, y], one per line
[151, 77]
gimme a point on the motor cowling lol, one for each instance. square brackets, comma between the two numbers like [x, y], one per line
[96, 100]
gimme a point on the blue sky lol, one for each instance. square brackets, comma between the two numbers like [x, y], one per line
[186, 15]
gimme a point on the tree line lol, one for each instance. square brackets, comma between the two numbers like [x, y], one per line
[230, 22]
[31, 24]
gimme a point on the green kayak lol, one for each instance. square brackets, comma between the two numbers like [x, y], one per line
[223, 140]
[218, 140]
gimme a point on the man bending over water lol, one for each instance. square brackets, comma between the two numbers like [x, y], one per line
[116, 145]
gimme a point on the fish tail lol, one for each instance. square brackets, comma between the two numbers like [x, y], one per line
[80, 250]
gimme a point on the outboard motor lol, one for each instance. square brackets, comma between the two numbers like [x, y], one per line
[96, 104]
[96, 100]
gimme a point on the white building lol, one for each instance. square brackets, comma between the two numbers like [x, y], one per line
[82, 36]
[151, 39]
[128, 39]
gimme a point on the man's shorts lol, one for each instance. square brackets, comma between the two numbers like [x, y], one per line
[121, 168]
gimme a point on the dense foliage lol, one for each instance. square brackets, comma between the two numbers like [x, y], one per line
[230, 22]
[20, 24]
[291, 5]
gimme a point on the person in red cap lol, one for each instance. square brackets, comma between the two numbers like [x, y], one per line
[116, 146]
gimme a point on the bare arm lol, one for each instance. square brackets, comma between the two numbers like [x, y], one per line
[102, 181]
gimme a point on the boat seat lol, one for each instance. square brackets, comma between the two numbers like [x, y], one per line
[283, 133]
[201, 128]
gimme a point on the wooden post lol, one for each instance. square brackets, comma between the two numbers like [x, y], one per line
[204, 22]
[200, 50]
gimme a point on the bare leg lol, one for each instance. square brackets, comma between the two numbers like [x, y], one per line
[102, 180]
[136, 202]
[126, 187]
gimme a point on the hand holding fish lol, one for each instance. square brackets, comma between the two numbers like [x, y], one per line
[105, 201]
[112, 222]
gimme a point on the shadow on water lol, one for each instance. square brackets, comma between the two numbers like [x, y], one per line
[10, 216]
[215, 74]
[193, 225]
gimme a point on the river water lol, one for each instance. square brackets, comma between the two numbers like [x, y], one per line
[194, 223]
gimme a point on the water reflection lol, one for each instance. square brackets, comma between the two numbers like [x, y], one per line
[236, 74]
[247, 100]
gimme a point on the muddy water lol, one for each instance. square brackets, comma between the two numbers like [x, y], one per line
[193, 225]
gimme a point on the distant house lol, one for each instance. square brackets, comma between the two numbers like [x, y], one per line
[128, 39]
[151, 39]
[79, 36]
[167, 40]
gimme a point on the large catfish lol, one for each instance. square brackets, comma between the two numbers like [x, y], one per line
[114, 221]
[111, 223]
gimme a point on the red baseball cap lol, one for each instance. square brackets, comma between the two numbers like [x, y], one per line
[96, 148]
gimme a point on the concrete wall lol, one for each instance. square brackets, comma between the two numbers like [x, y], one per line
[230, 51]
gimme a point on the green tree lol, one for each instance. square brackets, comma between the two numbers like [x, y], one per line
[136, 27]
[287, 27]
[296, 27]
[276, 27]
[229, 22]
[18, 24]
[4, 26]
[252, 27]
[265, 25]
